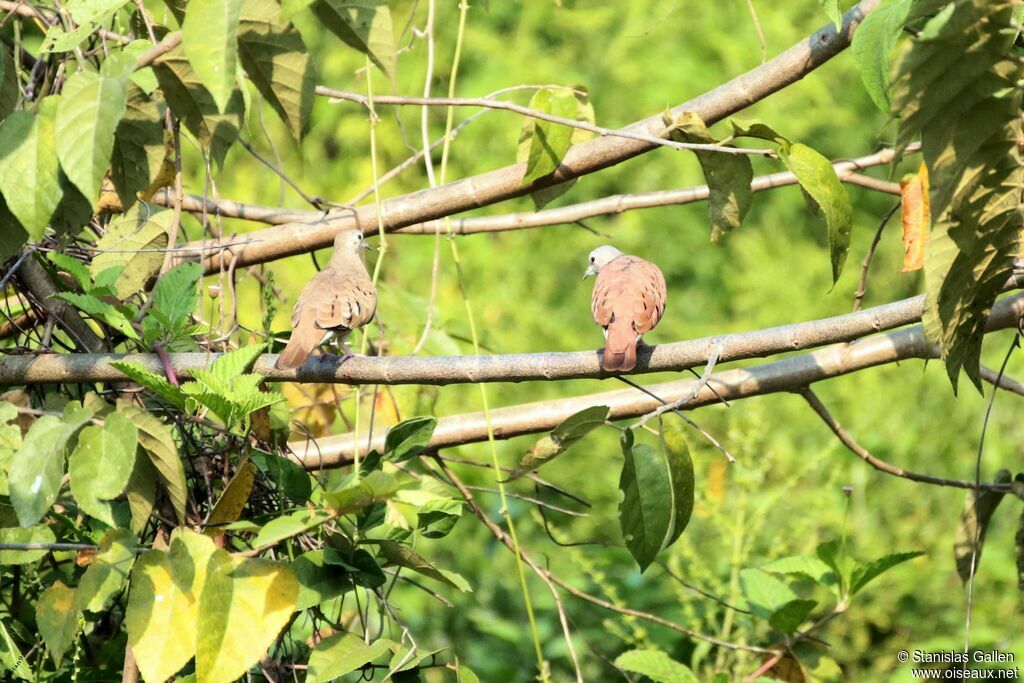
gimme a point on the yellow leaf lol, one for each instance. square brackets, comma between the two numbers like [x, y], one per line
[57, 619]
[244, 605]
[231, 503]
[163, 607]
[917, 218]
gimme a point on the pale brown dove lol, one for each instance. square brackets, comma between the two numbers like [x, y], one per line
[339, 299]
[629, 298]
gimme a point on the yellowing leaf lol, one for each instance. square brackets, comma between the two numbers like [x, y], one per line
[917, 218]
[231, 503]
[244, 605]
[107, 572]
[156, 440]
[57, 619]
[134, 242]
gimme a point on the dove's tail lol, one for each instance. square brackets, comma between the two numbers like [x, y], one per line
[620, 347]
[305, 338]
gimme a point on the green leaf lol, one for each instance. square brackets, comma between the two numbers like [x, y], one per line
[100, 310]
[141, 493]
[789, 617]
[562, 437]
[677, 454]
[833, 11]
[156, 440]
[90, 108]
[865, 573]
[9, 92]
[318, 581]
[189, 99]
[728, 175]
[12, 236]
[543, 144]
[288, 476]
[108, 573]
[139, 148]
[819, 180]
[361, 492]
[244, 605]
[158, 384]
[279, 65]
[585, 114]
[404, 556]
[408, 438]
[135, 242]
[29, 168]
[34, 534]
[645, 513]
[764, 593]
[364, 25]
[101, 464]
[437, 518]
[37, 468]
[655, 665]
[286, 526]
[11, 657]
[873, 45]
[343, 653]
[742, 128]
[290, 8]
[174, 297]
[805, 566]
[72, 267]
[57, 619]
[978, 510]
[209, 35]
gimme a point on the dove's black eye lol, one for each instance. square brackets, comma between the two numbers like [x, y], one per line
[591, 259]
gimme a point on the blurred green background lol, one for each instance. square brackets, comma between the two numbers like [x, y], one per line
[783, 495]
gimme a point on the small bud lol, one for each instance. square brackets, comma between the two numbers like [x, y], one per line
[214, 291]
[847, 490]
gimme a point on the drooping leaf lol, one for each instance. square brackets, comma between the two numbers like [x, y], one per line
[789, 616]
[404, 556]
[90, 108]
[140, 156]
[833, 11]
[102, 463]
[917, 218]
[562, 437]
[41, 534]
[866, 573]
[57, 619]
[584, 114]
[873, 45]
[819, 181]
[141, 493]
[728, 175]
[645, 513]
[158, 384]
[755, 128]
[361, 492]
[157, 442]
[209, 36]
[543, 144]
[804, 566]
[680, 465]
[318, 580]
[655, 665]
[244, 605]
[135, 242]
[978, 510]
[108, 573]
[286, 526]
[408, 438]
[342, 653]
[29, 168]
[233, 500]
[364, 25]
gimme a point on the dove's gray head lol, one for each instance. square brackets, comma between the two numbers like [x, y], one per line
[599, 258]
[350, 241]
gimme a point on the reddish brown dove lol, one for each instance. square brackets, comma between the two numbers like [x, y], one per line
[339, 299]
[629, 298]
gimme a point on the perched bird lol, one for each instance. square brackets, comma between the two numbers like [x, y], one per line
[629, 298]
[339, 299]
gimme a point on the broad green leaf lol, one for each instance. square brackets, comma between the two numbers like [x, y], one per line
[244, 605]
[408, 438]
[567, 433]
[141, 493]
[364, 25]
[12, 236]
[833, 11]
[543, 144]
[361, 492]
[108, 573]
[280, 66]
[102, 463]
[9, 92]
[865, 573]
[873, 45]
[584, 114]
[645, 513]
[90, 108]
[140, 151]
[764, 593]
[290, 8]
[156, 440]
[804, 566]
[728, 175]
[789, 616]
[233, 500]
[833, 554]
[289, 525]
[289, 477]
[73, 211]
[978, 510]
[136, 242]
[209, 35]
[228, 366]
[72, 267]
[655, 665]
[57, 619]
[319, 581]
[38, 466]
[89, 15]
[362, 567]
[437, 518]
[818, 178]
[404, 556]
[677, 454]
[100, 310]
[158, 384]
[165, 594]
[190, 100]
[11, 657]
[174, 297]
[29, 168]
[743, 128]
[343, 653]
[41, 534]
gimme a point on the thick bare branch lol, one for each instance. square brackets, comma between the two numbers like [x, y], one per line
[790, 374]
[441, 370]
[36, 280]
[589, 157]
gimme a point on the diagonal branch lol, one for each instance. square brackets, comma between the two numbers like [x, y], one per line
[790, 374]
[443, 370]
[588, 157]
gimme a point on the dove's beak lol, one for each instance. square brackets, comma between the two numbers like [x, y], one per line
[365, 245]
[590, 272]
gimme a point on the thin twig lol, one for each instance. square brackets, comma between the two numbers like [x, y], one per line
[862, 288]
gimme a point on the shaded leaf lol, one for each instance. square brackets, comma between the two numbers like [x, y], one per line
[361, 492]
[102, 463]
[364, 25]
[90, 108]
[645, 513]
[209, 36]
[108, 573]
[917, 217]
[57, 619]
[288, 476]
[158, 384]
[873, 44]
[567, 433]
[156, 440]
[543, 144]
[409, 438]
[764, 593]
[865, 573]
[677, 454]
[141, 493]
[804, 566]
[437, 518]
[134, 242]
[140, 154]
[788, 617]
[233, 500]
[404, 556]
[174, 299]
[318, 580]
[979, 507]
[342, 653]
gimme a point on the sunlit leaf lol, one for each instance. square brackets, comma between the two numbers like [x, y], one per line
[28, 166]
[361, 492]
[108, 573]
[233, 500]
[135, 242]
[873, 45]
[90, 108]
[677, 454]
[562, 437]
[645, 513]
[140, 154]
[40, 535]
[286, 526]
[917, 218]
[655, 665]
[409, 438]
[57, 619]
[157, 442]
[101, 464]
[209, 35]
[866, 573]
[342, 653]
[404, 556]
[542, 144]
[141, 493]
